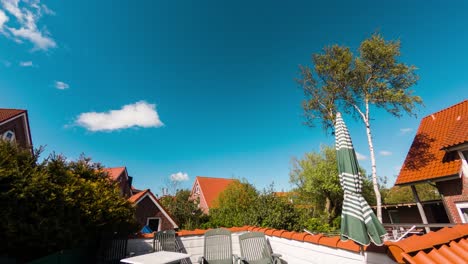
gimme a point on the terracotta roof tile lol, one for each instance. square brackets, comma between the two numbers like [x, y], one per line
[458, 135]
[278, 233]
[349, 245]
[329, 241]
[137, 196]
[446, 243]
[425, 159]
[287, 235]
[212, 187]
[6, 114]
[314, 239]
[114, 173]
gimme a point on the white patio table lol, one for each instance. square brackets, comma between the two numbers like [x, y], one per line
[158, 257]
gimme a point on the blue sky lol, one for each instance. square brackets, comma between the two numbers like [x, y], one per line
[207, 87]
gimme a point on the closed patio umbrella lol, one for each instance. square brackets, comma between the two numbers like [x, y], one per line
[358, 221]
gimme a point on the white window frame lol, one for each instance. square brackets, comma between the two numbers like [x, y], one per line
[12, 139]
[461, 206]
[159, 223]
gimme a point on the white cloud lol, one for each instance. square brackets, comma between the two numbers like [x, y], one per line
[3, 19]
[61, 85]
[27, 15]
[359, 156]
[180, 176]
[385, 153]
[26, 63]
[405, 130]
[139, 114]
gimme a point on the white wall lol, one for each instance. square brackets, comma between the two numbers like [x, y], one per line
[292, 251]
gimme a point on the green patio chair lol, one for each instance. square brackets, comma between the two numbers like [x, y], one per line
[217, 247]
[164, 241]
[255, 249]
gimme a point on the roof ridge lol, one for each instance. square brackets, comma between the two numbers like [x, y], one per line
[17, 109]
[208, 177]
[445, 109]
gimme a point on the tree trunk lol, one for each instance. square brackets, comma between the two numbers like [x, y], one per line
[327, 208]
[375, 181]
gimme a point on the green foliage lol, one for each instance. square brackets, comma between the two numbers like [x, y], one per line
[341, 81]
[276, 212]
[403, 194]
[234, 205]
[53, 205]
[185, 211]
[317, 183]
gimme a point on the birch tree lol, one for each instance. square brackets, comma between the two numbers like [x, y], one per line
[356, 85]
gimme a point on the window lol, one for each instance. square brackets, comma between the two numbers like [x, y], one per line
[463, 211]
[197, 189]
[9, 136]
[154, 223]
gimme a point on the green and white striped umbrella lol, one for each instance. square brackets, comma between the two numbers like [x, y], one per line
[358, 221]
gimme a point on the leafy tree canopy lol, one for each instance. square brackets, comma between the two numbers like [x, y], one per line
[185, 211]
[403, 194]
[55, 204]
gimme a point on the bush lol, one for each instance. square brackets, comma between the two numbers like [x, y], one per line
[55, 204]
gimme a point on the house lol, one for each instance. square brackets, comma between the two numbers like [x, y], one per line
[438, 156]
[207, 190]
[120, 175]
[150, 213]
[14, 126]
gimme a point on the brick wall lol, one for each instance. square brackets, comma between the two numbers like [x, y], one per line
[17, 126]
[454, 191]
[146, 208]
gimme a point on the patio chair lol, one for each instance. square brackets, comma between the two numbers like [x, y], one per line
[256, 250]
[217, 247]
[164, 240]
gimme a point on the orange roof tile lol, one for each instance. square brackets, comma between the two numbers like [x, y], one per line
[458, 135]
[434, 246]
[212, 187]
[114, 173]
[425, 159]
[137, 196]
[6, 114]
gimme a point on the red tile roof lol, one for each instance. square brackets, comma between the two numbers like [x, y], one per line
[6, 114]
[212, 187]
[114, 173]
[426, 160]
[458, 135]
[137, 196]
[448, 244]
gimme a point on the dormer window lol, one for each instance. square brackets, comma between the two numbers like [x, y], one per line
[9, 136]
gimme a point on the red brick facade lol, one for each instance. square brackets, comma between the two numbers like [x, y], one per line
[20, 127]
[146, 208]
[454, 191]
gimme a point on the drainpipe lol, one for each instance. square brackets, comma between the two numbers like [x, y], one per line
[420, 208]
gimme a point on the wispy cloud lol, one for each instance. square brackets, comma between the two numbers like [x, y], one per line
[179, 176]
[3, 19]
[385, 153]
[359, 156]
[61, 85]
[26, 63]
[405, 130]
[26, 15]
[139, 114]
